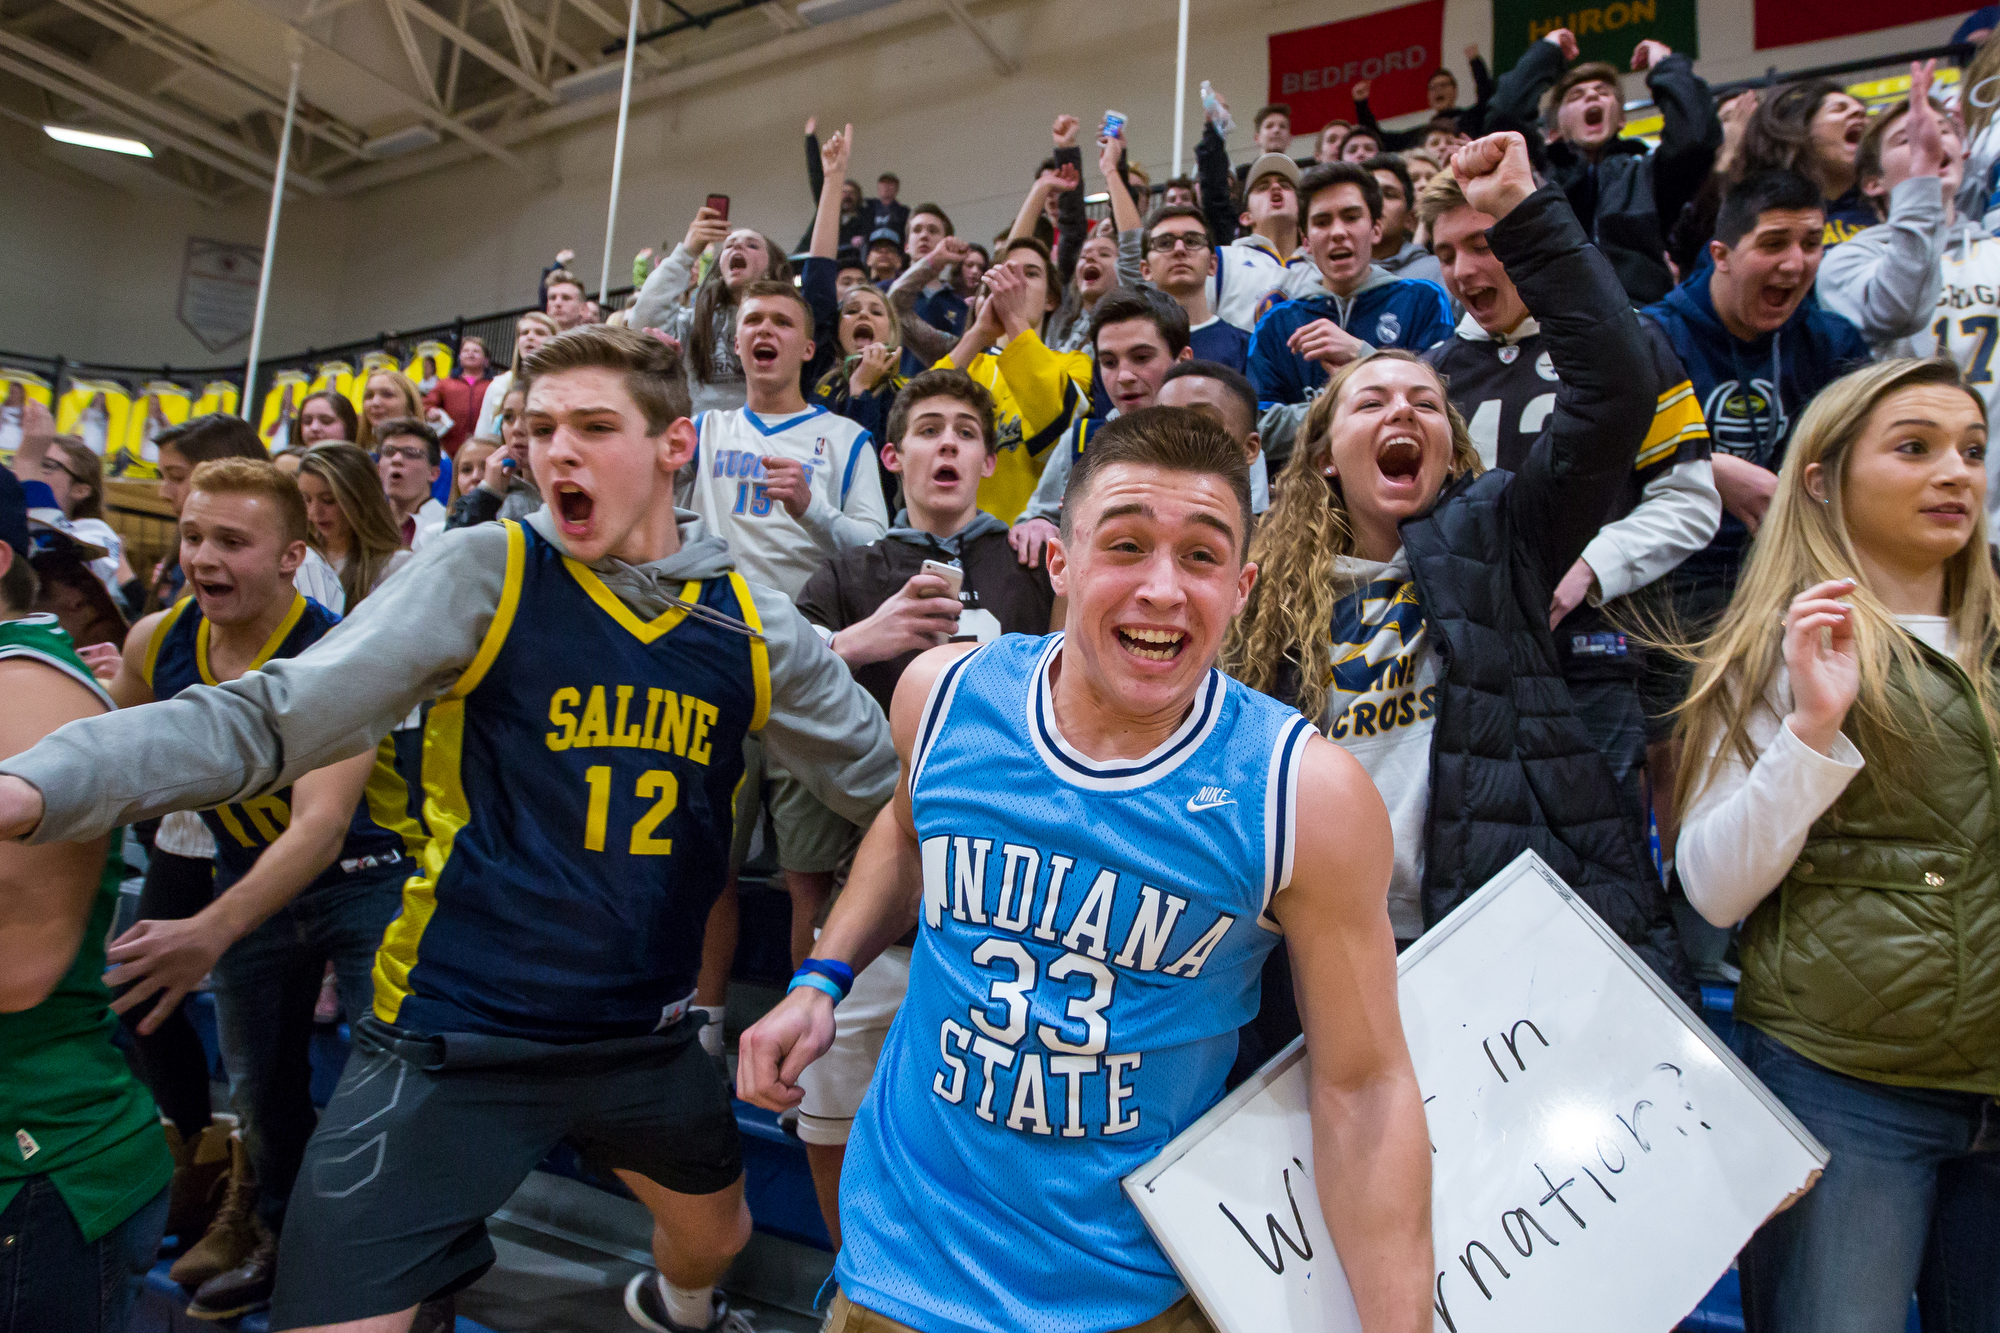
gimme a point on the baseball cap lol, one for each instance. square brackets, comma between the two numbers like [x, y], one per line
[885, 235]
[1271, 163]
[48, 528]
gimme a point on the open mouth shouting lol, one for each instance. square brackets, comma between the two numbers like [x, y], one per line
[736, 264]
[946, 475]
[574, 508]
[1151, 645]
[764, 352]
[1480, 301]
[864, 334]
[1401, 460]
[1776, 299]
[213, 589]
[1593, 116]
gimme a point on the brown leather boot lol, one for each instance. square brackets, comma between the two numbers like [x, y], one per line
[201, 1179]
[235, 1232]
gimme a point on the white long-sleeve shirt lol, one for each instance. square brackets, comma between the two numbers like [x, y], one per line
[1745, 828]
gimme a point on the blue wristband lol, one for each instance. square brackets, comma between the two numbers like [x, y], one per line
[837, 972]
[818, 983]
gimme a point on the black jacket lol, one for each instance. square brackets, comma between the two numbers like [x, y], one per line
[1512, 769]
[1469, 119]
[1630, 197]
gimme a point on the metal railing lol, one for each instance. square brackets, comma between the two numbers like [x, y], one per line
[495, 331]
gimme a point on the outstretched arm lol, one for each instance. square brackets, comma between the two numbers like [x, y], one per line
[1606, 395]
[826, 223]
[1371, 1150]
[215, 744]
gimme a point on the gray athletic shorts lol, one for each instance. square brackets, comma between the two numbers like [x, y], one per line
[428, 1136]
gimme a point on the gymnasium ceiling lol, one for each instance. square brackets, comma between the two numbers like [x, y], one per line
[388, 88]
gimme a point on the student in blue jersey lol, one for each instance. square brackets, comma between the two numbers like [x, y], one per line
[596, 669]
[787, 486]
[305, 875]
[1362, 307]
[1098, 839]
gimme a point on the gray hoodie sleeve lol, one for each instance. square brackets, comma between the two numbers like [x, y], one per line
[823, 729]
[1048, 497]
[1886, 281]
[214, 744]
[1131, 249]
[664, 288]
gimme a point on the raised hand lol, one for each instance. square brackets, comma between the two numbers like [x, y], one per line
[1362, 89]
[1564, 39]
[1494, 173]
[1650, 53]
[1110, 151]
[20, 807]
[1064, 130]
[1006, 299]
[1824, 664]
[834, 153]
[708, 228]
[1471, 52]
[812, 125]
[1926, 136]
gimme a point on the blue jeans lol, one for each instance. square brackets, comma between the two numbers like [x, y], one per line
[266, 985]
[1910, 1201]
[54, 1281]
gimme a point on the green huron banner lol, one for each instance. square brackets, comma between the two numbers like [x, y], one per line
[1604, 31]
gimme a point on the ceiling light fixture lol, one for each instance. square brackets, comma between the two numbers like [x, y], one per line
[110, 143]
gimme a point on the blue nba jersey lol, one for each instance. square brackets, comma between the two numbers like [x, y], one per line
[579, 784]
[381, 831]
[1090, 941]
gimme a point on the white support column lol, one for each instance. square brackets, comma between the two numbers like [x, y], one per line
[618, 151]
[1180, 89]
[295, 50]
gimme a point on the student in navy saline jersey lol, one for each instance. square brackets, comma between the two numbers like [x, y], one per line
[305, 875]
[1097, 838]
[594, 672]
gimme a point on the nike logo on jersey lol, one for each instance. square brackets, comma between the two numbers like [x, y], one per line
[1209, 798]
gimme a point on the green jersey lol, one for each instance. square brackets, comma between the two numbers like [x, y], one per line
[70, 1108]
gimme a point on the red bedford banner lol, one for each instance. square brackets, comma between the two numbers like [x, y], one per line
[1789, 22]
[1315, 69]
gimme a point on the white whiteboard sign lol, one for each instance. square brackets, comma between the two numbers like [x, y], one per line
[1598, 1155]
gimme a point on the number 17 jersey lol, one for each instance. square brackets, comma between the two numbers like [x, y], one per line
[1090, 940]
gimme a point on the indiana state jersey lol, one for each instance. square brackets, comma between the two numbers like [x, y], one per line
[578, 779]
[381, 832]
[1089, 943]
[768, 545]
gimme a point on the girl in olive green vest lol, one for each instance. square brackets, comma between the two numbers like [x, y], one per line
[1843, 803]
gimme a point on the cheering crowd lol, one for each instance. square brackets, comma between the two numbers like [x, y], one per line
[1623, 503]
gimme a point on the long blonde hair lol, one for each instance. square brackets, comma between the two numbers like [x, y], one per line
[1802, 542]
[413, 406]
[373, 537]
[1289, 617]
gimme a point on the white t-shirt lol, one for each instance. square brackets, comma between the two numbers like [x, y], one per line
[1746, 826]
[1381, 707]
[769, 545]
[319, 581]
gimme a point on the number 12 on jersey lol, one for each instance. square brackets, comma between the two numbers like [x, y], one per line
[654, 782]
